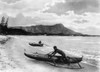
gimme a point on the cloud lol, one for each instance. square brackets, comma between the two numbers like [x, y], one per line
[80, 21]
[10, 1]
[12, 9]
[22, 20]
[89, 30]
[21, 6]
[78, 6]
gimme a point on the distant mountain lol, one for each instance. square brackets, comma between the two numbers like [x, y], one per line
[57, 29]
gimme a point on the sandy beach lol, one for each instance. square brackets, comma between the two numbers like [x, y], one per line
[12, 59]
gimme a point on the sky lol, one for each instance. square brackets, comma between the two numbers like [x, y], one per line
[79, 15]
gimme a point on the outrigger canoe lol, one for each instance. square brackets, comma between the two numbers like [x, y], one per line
[57, 59]
[35, 44]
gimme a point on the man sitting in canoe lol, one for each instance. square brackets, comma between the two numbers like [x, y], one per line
[40, 42]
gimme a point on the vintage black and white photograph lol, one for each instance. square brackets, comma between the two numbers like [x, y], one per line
[49, 35]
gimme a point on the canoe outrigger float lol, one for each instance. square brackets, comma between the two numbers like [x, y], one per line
[35, 44]
[57, 59]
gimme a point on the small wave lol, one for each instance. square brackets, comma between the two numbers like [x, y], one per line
[90, 64]
[95, 53]
[91, 59]
[73, 53]
[4, 40]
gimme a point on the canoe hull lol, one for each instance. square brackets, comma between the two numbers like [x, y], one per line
[32, 44]
[57, 59]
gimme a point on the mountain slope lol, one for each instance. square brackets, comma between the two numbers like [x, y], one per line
[57, 29]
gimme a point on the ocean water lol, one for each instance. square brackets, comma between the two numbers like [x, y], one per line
[12, 58]
[88, 47]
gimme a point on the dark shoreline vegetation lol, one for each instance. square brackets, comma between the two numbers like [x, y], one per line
[46, 30]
